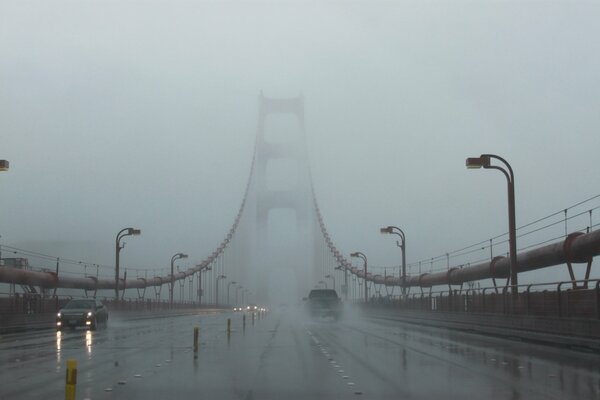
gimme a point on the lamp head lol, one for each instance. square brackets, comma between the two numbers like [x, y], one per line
[133, 231]
[478, 162]
[386, 230]
[354, 255]
[3, 165]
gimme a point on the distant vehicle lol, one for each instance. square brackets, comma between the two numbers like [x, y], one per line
[324, 303]
[252, 307]
[86, 313]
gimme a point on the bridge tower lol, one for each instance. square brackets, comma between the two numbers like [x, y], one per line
[290, 267]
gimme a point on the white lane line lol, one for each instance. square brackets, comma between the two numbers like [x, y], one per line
[333, 362]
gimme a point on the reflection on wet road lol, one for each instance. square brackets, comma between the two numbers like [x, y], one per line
[286, 356]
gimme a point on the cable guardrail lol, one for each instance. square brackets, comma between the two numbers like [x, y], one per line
[46, 278]
[576, 247]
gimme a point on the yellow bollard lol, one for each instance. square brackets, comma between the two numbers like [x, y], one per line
[71, 381]
[196, 336]
[228, 326]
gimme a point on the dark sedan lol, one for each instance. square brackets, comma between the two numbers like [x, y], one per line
[86, 313]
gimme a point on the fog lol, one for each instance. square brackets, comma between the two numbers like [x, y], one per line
[144, 114]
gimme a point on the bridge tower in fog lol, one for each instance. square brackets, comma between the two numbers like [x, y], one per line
[288, 265]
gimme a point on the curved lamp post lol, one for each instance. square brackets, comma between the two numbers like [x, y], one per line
[122, 233]
[236, 294]
[175, 257]
[397, 231]
[207, 268]
[484, 161]
[358, 254]
[340, 267]
[217, 291]
[228, 285]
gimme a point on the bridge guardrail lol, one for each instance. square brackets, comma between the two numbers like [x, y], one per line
[571, 303]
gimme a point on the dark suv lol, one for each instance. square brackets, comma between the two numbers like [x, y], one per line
[87, 313]
[324, 303]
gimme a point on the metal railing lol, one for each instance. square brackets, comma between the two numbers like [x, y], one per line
[575, 302]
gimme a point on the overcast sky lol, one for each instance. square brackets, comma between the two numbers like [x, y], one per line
[144, 113]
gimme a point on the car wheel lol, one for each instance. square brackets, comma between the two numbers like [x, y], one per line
[93, 324]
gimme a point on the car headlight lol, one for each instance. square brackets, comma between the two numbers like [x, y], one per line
[58, 315]
[89, 314]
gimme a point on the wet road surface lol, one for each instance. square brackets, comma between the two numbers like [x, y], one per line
[285, 356]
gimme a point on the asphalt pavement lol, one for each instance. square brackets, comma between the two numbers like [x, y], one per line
[286, 355]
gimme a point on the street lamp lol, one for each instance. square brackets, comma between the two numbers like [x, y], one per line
[236, 294]
[333, 278]
[397, 231]
[3, 165]
[228, 285]
[175, 257]
[364, 258]
[339, 267]
[217, 291]
[122, 233]
[206, 268]
[484, 161]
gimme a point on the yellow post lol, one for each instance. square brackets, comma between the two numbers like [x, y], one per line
[71, 381]
[196, 335]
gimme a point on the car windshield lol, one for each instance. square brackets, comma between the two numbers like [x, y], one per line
[79, 304]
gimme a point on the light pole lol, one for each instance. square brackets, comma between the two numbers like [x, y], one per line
[236, 294]
[397, 231]
[175, 257]
[322, 283]
[228, 285]
[200, 291]
[4, 167]
[364, 258]
[122, 233]
[484, 161]
[333, 278]
[339, 267]
[217, 289]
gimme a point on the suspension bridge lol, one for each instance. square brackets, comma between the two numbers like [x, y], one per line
[397, 305]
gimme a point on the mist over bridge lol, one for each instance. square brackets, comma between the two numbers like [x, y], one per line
[250, 265]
